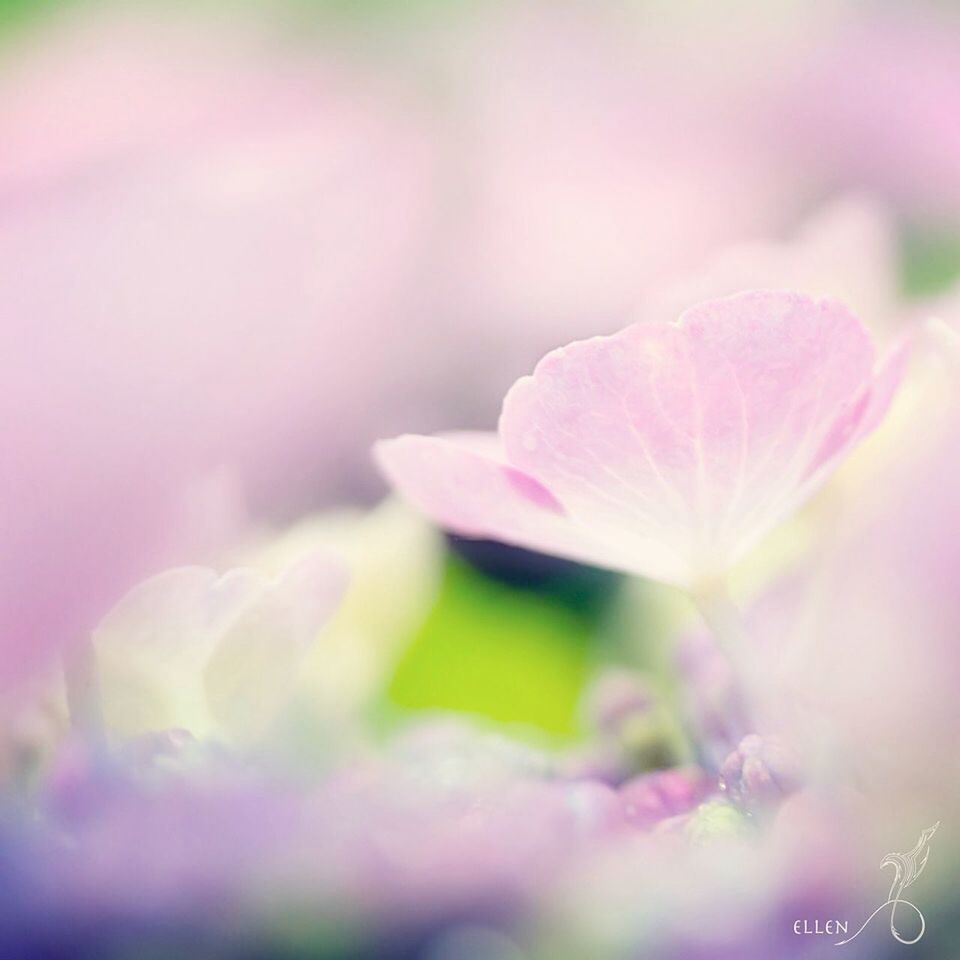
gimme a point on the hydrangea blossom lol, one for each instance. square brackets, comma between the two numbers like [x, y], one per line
[262, 782]
[215, 655]
[666, 450]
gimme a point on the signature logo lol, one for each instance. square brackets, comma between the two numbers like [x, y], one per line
[907, 867]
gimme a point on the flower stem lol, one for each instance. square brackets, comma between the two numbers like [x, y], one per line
[725, 622]
[721, 616]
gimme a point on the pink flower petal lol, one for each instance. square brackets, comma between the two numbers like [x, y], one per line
[463, 481]
[667, 449]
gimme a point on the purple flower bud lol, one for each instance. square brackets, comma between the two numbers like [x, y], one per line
[653, 797]
[760, 772]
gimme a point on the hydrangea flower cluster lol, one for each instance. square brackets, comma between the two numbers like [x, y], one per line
[660, 667]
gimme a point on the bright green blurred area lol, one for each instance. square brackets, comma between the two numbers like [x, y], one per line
[13, 12]
[488, 648]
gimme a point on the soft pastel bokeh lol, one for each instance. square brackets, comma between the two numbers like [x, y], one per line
[480, 479]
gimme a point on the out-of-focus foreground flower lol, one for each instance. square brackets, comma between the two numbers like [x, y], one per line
[207, 269]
